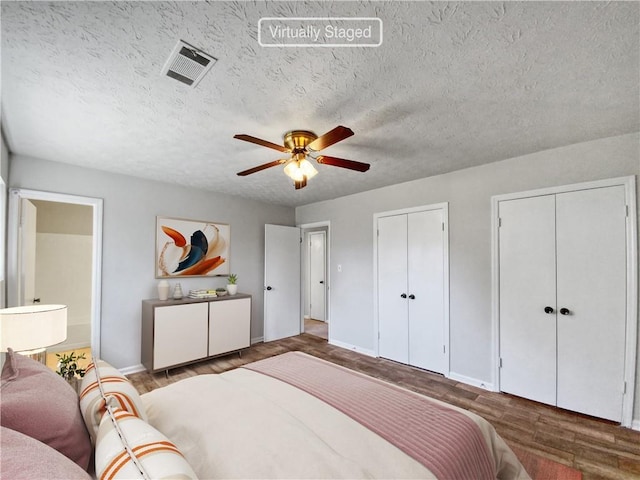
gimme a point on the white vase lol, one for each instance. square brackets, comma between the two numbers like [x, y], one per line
[232, 289]
[177, 292]
[163, 290]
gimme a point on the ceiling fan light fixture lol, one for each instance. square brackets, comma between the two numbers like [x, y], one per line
[300, 144]
[299, 170]
[308, 169]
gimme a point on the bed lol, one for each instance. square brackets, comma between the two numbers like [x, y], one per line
[297, 416]
[285, 417]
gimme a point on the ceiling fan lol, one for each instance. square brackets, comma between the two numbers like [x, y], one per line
[302, 144]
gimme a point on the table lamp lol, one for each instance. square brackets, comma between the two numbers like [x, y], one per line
[30, 329]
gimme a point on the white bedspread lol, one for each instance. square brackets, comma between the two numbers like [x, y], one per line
[242, 424]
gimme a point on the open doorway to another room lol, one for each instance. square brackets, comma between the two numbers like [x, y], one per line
[55, 244]
[315, 281]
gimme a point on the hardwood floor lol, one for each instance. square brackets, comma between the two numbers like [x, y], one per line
[599, 449]
[316, 328]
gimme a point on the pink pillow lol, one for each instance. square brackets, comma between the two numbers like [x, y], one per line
[36, 401]
[24, 458]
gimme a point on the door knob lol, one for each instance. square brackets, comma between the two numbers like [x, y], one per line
[412, 296]
[565, 311]
[548, 309]
[404, 295]
[269, 288]
[321, 281]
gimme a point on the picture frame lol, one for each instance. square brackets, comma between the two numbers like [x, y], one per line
[191, 248]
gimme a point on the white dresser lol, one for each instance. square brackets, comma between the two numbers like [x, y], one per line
[178, 332]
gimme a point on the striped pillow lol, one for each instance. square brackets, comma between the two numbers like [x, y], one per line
[128, 448]
[100, 380]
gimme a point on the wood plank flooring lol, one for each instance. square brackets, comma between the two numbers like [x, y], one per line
[598, 448]
[316, 328]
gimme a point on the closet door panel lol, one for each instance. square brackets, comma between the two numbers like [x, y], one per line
[392, 284]
[591, 284]
[426, 284]
[527, 286]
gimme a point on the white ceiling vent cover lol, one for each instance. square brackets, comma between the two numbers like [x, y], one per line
[188, 64]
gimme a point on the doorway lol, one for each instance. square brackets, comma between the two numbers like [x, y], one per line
[54, 256]
[315, 281]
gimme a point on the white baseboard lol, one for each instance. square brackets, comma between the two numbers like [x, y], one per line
[635, 425]
[472, 381]
[257, 340]
[354, 348]
[132, 369]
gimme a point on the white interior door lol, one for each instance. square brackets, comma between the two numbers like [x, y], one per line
[425, 270]
[317, 274]
[28, 234]
[281, 282]
[393, 325]
[591, 230]
[527, 287]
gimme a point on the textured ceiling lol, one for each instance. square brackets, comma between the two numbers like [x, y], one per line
[452, 85]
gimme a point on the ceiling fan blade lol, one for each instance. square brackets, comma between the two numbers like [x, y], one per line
[259, 141]
[264, 166]
[341, 162]
[334, 136]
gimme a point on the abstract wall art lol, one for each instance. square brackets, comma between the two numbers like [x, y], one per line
[191, 248]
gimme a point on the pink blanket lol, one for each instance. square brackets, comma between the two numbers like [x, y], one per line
[444, 440]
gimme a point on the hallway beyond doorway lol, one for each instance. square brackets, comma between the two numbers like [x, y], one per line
[316, 328]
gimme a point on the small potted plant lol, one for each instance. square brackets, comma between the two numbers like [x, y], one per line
[232, 288]
[69, 369]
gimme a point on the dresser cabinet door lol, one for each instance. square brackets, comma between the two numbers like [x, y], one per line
[229, 325]
[180, 334]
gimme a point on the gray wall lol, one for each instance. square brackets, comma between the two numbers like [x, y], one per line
[130, 207]
[468, 193]
[4, 158]
[64, 218]
[4, 180]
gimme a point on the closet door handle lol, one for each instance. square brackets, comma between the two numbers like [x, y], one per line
[548, 309]
[412, 296]
[269, 288]
[404, 295]
[565, 311]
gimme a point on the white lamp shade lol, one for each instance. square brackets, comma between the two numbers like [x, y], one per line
[33, 326]
[307, 169]
[299, 169]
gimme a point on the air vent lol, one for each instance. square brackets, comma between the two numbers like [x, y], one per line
[188, 64]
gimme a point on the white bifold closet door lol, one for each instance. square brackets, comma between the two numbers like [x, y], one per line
[563, 299]
[393, 307]
[411, 262]
[527, 287]
[592, 285]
